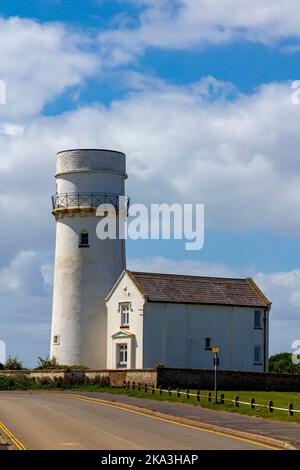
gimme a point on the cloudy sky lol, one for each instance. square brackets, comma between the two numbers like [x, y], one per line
[198, 94]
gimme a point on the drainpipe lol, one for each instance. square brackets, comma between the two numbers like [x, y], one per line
[266, 310]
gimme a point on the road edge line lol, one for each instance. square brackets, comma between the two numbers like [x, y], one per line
[12, 437]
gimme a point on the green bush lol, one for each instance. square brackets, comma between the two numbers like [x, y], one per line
[13, 363]
[7, 382]
[283, 363]
[22, 382]
[50, 364]
[15, 382]
[79, 367]
[47, 363]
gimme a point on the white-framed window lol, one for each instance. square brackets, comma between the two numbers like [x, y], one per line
[122, 355]
[257, 319]
[56, 339]
[257, 354]
[84, 239]
[125, 309]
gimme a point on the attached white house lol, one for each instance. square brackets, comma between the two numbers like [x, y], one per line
[176, 320]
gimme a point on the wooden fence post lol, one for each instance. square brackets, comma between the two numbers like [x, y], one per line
[198, 395]
[270, 406]
[252, 404]
[133, 385]
[236, 401]
[160, 390]
[178, 392]
[145, 388]
[153, 389]
[291, 409]
[187, 394]
[169, 391]
[139, 386]
[209, 397]
[222, 399]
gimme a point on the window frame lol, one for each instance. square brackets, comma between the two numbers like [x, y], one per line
[56, 340]
[257, 314]
[125, 324]
[207, 344]
[259, 348]
[122, 353]
[86, 244]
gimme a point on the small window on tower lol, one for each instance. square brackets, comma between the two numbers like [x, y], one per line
[56, 339]
[84, 240]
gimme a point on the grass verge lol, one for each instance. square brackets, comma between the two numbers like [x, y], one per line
[280, 399]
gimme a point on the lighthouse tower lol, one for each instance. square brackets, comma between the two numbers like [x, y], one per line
[86, 267]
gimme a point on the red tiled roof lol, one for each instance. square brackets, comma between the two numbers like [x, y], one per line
[199, 289]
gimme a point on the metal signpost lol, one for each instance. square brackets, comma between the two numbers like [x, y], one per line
[216, 363]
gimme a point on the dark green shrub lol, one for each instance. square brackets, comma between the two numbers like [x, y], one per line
[13, 363]
[7, 382]
[15, 382]
[283, 363]
[79, 367]
[47, 363]
[22, 382]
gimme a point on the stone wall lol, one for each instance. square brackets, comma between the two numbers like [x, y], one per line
[227, 380]
[116, 377]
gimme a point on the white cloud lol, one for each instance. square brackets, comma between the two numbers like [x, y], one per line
[25, 307]
[186, 24]
[39, 61]
[23, 276]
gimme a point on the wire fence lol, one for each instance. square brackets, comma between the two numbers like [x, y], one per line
[207, 396]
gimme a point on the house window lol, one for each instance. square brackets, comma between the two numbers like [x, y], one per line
[207, 344]
[257, 319]
[84, 240]
[257, 354]
[123, 355]
[56, 339]
[125, 314]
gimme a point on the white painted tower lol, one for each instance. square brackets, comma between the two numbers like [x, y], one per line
[85, 266]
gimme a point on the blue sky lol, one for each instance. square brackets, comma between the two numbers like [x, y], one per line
[198, 95]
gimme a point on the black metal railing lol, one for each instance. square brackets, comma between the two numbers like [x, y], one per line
[67, 200]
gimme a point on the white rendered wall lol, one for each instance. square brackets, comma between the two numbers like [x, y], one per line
[126, 291]
[174, 334]
[84, 276]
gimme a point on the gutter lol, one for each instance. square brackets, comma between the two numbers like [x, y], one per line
[265, 339]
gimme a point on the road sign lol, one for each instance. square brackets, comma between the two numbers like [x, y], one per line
[215, 350]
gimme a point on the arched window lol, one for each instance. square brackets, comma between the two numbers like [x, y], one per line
[84, 239]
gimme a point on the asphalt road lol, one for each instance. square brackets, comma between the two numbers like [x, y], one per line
[51, 422]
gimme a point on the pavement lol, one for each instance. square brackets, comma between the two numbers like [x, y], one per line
[65, 420]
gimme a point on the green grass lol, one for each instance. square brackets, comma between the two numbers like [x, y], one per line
[280, 399]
